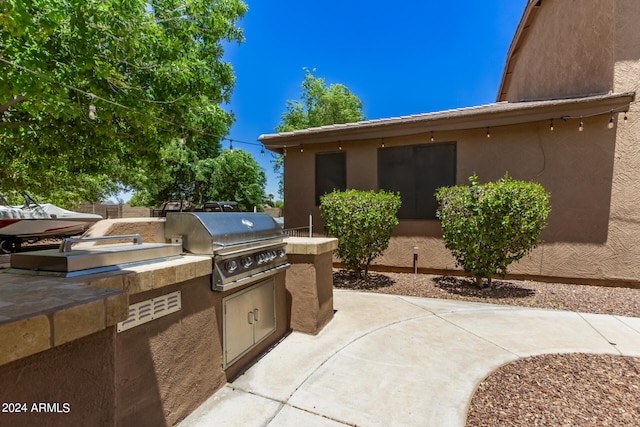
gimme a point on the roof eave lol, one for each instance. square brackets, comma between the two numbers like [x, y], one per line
[488, 116]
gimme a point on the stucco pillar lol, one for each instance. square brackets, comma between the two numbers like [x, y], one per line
[310, 282]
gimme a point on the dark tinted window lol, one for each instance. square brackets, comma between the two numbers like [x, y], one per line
[331, 173]
[416, 171]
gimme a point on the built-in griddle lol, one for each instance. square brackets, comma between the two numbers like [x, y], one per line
[70, 261]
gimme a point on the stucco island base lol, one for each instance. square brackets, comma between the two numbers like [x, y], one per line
[310, 282]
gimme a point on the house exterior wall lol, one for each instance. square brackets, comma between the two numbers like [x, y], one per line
[578, 48]
[570, 48]
[567, 51]
[581, 241]
[624, 227]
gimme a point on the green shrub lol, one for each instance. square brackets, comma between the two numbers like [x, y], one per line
[362, 221]
[488, 226]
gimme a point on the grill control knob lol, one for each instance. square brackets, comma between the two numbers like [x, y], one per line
[246, 262]
[231, 266]
[272, 255]
[281, 253]
[260, 258]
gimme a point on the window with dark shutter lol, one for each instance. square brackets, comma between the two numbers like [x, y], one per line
[331, 173]
[416, 171]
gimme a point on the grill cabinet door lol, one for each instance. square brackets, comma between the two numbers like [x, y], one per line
[238, 332]
[265, 311]
[249, 317]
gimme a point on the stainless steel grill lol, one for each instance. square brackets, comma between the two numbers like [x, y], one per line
[245, 247]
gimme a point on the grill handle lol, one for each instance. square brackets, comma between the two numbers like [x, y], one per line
[65, 245]
[243, 242]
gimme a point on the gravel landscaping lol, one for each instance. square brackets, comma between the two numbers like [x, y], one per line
[557, 389]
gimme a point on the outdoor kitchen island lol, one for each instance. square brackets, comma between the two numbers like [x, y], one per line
[80, 349]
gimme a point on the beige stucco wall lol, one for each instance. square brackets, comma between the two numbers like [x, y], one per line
[597, 49]
[309, 282]
[154, 374]
[567, 51]
[582, 239]
[624, 227]
[167, 367]
[76, 379]
[570, 48]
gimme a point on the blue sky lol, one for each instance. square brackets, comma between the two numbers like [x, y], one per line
[399, 58]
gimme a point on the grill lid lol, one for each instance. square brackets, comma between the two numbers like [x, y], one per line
[203, 233]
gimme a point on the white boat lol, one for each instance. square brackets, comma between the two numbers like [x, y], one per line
[33, 221]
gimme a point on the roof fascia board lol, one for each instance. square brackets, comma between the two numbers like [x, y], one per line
[492, 115]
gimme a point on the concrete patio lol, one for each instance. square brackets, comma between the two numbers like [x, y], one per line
[388, 360]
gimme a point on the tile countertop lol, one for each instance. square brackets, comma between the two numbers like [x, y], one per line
[38, 312]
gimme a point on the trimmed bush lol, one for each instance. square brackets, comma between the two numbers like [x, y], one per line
[362, 221]
[488, 226]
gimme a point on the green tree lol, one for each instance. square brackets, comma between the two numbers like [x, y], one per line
[93, 91]
[488, 226]
[183, 175]
[236, 176]
[231, 176]
[319, 105]
[363, 222]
